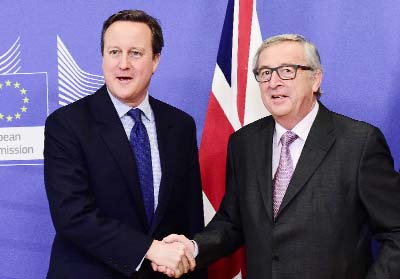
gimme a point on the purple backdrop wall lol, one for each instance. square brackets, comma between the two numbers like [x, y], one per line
[358, 43]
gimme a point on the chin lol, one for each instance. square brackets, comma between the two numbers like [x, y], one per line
[278, 110]
[282, 114]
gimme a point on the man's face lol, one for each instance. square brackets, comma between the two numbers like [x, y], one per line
[128, 61]
[289, 101]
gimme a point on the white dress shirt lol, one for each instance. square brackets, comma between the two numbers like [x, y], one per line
[302, 129]
[150, 124]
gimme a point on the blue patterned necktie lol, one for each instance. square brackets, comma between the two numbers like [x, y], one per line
[284, 172]
[141, 148]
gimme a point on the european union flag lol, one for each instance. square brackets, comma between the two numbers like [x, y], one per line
[23, 99]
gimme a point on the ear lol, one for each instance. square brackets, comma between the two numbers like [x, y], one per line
[316, 79]
[156, 61]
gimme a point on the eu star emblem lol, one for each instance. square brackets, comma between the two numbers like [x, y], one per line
[23, 99]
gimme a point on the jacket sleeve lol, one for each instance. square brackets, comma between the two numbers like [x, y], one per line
[194, 204]
[223, 235]
[379, 189]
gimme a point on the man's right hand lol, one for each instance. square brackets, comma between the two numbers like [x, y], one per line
[171, 258]
[189, 245]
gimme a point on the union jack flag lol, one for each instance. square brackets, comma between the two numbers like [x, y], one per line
[234, 101]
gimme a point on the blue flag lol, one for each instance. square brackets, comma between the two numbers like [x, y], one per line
[23, 99]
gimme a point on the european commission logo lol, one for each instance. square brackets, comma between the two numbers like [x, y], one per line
[24, 102]
[23, 111]
[73, 82]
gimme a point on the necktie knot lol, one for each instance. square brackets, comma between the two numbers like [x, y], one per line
[288, 138]
[136, 115]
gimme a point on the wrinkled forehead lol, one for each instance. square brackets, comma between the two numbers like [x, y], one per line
[281, 53]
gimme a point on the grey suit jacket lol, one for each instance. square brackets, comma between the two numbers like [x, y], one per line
[343, 191]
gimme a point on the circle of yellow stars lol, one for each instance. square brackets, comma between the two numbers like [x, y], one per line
[8, 84]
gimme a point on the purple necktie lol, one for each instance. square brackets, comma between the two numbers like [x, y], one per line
[284, 172]
[141, 147]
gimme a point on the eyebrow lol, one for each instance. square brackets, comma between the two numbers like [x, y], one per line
[139, 48]
[283, 64]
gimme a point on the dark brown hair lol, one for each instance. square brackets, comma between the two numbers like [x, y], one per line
[157, 40]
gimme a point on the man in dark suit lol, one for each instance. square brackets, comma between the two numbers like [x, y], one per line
[306, 187]
[121, 168]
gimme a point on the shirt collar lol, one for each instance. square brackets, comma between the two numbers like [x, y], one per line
[302, 129]
[122, 108]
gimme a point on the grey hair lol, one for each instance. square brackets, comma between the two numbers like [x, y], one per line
[310, 52]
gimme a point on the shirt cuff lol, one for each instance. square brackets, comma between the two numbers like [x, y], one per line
[196, 249]
[140, 264]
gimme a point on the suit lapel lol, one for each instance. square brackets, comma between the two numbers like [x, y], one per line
[115, 138]
[263, 158]
[164, 124]
[318, 143]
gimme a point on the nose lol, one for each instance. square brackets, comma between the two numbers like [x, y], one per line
[275, 80]
[124, 62]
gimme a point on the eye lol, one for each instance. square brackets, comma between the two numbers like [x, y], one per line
[114, 52]
[135, 53]
[265, 72]
[287, 70]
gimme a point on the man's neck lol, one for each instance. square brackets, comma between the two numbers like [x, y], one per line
[290, 122]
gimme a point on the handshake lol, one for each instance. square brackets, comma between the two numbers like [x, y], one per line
[173, 256]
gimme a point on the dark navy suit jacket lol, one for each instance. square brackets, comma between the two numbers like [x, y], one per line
[94, 194]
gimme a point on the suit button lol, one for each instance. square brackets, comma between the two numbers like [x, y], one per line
[125, 266]
[275, 258]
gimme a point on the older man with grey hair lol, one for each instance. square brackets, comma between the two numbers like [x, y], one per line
[306, 188]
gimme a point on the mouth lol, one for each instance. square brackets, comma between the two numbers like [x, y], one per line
[277, 97]
[124, 78]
